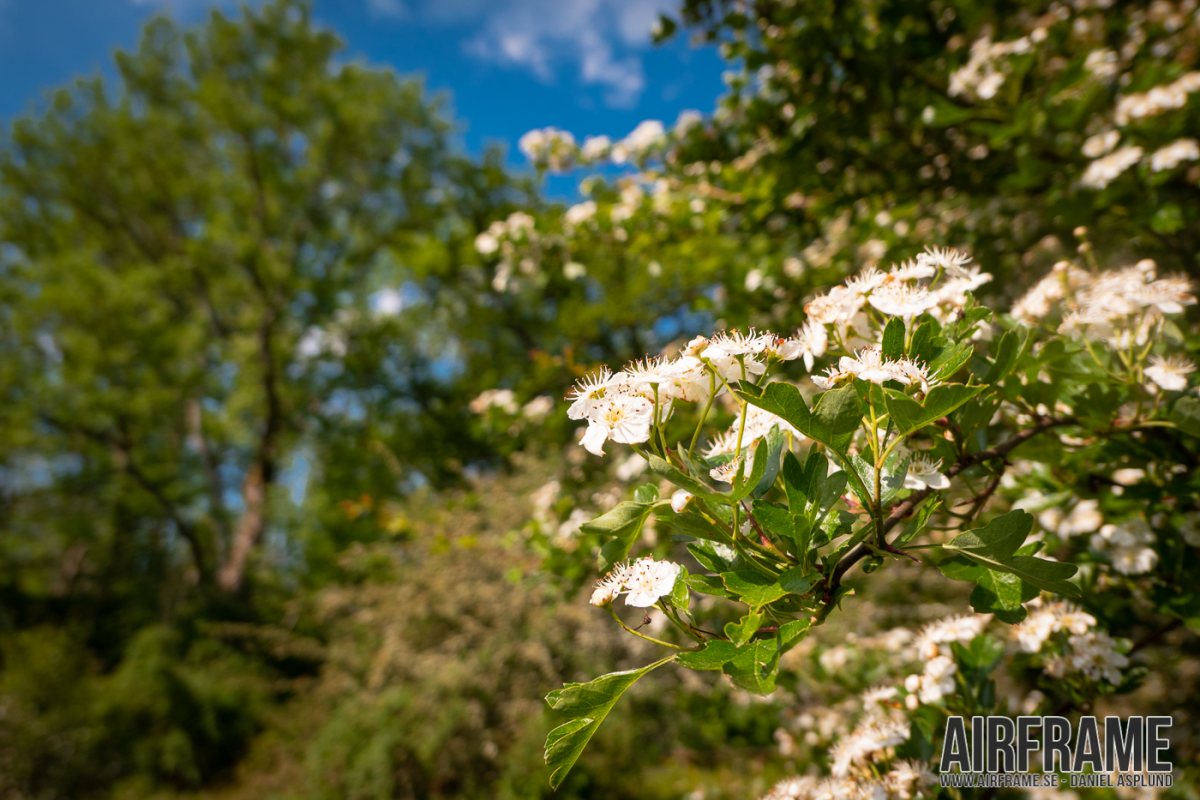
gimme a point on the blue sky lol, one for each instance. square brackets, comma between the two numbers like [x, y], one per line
[508, 65]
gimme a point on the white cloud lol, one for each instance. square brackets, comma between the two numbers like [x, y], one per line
[388, 9]
[598, 38]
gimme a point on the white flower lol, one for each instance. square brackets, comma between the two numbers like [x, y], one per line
[909, 779]
[924, 473]
[809, 343]
[595, 147]
[1170, 373]
[580, 212]
[1175, 154]
[486, 243]
[869, 365]
[610, 586]
[901, 300]
[588, 392]
[648, 580]
[1101, 144]
[623, 417]
[1103, 171]
[946, 259]
[839, 305]
[1128, 546]
[736, 355]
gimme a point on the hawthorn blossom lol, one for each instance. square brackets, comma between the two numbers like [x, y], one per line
[869, 365]
[1174, 154]
[1101, 144]
[808, 343]
[738, 356]
[1128, 546]
[1103, 171]
[648, 580]
[902, 300]
[925, 473]
[1170, 373]
[610, 586]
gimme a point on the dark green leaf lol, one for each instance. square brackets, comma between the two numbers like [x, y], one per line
[589, 703]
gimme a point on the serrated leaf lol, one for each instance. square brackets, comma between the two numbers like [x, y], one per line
[741, 631]
[695, 526]
[589, 703]
[621, 526]
[995, 544]
[754, 666]
[755, 590]
[660, 466]
[833, 418]
[712, 656]
[797, 580]
[908, 415]
[707, 584]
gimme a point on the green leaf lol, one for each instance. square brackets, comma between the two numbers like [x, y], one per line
[995, 544]
[712, 656]
[666, 469]
[950, 361]
[1186, 415]
[646, 493]
[908, 415]
[680, 597]
[834, 417]
[1008, 350]
[741, 631]
[893, 339]
[775, 439]
[707, 584]
[589, 704]
[755, 590]
[797, 580]
[754, 666]
[694, 526]
[621, 525]
[758, 469]
[1001, 593]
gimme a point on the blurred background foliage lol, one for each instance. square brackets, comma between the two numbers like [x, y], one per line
[263, 532]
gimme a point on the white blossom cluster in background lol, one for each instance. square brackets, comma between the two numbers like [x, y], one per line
[1128, 546]
[1071, 643]
[1156, 101]
[1124, 308]
[1065, 642]
[557, 150]
[985, 71]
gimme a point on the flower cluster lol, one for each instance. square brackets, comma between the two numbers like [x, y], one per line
[1123, 307]
[936, 282]
[1160, 99]
[1127, 546]
[626, 406]
[1070, 642]
[985, 71]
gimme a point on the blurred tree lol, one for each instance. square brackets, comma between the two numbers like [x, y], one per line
[230, 248]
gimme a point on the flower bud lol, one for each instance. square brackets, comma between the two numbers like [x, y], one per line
[680, 500]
